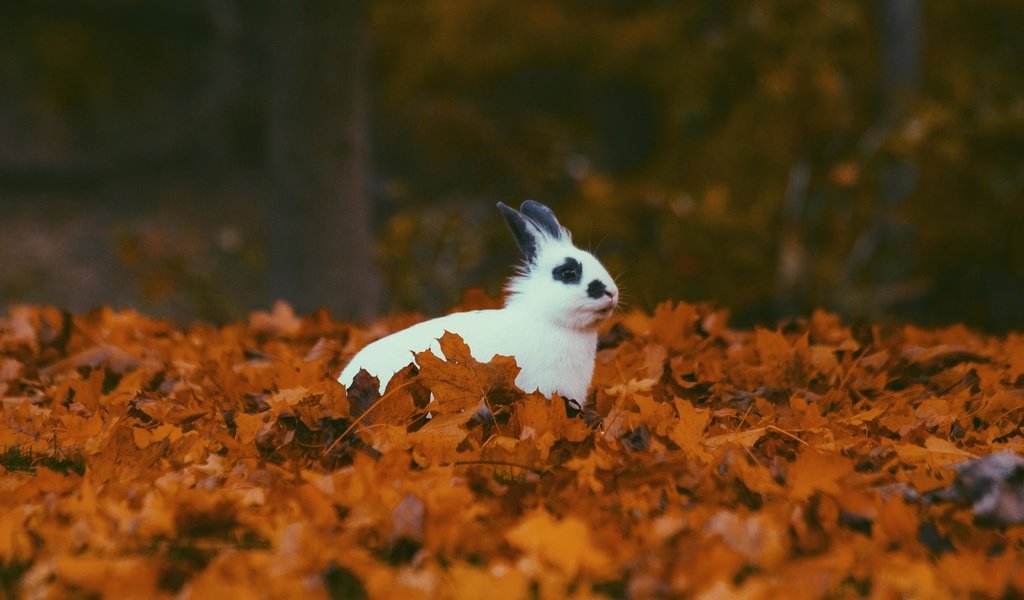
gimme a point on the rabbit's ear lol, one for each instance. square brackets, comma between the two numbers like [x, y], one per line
[543, 217]
[523, 230]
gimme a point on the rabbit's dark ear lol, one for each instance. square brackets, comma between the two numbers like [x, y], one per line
[543, 217]
[522, 230]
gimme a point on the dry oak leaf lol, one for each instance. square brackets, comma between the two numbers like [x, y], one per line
[460, 382]
[564, 544]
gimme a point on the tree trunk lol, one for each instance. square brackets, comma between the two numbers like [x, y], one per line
[320, 204]
[883, 254]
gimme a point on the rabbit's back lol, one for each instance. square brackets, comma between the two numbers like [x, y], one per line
[388, 355]
[560, 361]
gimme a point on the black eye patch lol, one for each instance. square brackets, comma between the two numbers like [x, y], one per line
[571, 271]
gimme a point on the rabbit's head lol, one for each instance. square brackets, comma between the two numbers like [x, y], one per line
[558, 281]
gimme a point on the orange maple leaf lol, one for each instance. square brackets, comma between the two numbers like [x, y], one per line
[459, 382]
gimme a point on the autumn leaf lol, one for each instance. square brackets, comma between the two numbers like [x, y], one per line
[672, 326]
[461, 383]
[138, 458]
[396, 406]
[437, 441]
[814, 471]
[564, 543]
[744, 439]
[688, 432]
[280, 321]
[758, 538]
[474, 583]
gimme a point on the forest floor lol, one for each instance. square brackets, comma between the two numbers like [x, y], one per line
[139, 458]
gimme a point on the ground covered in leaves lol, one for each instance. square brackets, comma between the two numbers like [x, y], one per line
[141, 459]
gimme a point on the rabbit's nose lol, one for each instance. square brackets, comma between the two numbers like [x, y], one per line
[596, 289]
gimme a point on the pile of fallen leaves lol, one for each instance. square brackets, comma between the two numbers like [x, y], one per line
[140, 459]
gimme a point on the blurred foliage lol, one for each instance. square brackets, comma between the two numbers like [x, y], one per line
[666, 133]
[85, 79]
[739, 152]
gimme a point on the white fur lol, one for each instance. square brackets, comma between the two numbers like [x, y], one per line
[549, 327]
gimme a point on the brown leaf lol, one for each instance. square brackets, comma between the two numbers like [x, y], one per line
[461, 383]
[688, 432]
[140, 458]
[280, 321]
[814, 471]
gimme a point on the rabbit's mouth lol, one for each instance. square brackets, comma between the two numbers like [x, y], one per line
[605, 310]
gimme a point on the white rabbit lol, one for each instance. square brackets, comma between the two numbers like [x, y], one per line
[553, 308]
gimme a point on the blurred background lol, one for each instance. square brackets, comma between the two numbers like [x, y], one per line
[197, 159]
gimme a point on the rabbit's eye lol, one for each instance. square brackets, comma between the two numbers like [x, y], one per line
[570, 271]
